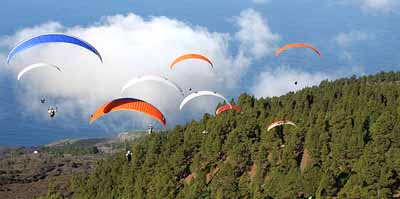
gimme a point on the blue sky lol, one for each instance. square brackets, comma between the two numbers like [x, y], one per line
[355, 37]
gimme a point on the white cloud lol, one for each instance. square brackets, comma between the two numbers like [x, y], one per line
[255, 35]
[132, 46]
[280, 81]
[372, 6]
[260, 1]
[345, 39]
[379, 5]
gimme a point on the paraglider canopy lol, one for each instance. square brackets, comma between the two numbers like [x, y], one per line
[154, 78]
[34, 66]
[128, 104]
[280, 123]
[199, 94]
[52, 38]
[296, 45]
[190, 56]
[227, 107]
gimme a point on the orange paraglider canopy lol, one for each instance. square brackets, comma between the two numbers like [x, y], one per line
[295, 45]
[190, 56]
[128, 104]
[227, 107]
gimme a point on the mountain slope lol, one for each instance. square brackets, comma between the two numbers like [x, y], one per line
[345, 145]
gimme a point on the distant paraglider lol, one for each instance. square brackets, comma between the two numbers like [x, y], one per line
[295, 45]
[190, 56]
[52, 38]
[199, 94]
[52, 111]
[128, 104]
[34, 66]
[280, 123]
[42, 100]
[295, 83]
[227, 107]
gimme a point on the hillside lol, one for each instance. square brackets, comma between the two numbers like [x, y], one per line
[345, 146]
[26, 174]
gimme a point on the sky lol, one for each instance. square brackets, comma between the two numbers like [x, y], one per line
[136, 38]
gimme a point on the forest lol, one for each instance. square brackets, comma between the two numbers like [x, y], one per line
[345, 145]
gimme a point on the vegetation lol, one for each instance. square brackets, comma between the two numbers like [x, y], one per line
[72, 149]
[79, 147]
[345, 145]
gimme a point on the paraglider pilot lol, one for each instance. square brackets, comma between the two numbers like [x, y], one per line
[52, 111]
[128, 156]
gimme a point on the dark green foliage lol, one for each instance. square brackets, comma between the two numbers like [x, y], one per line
[72, 149]
[79, 146]
[346, 145]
